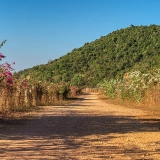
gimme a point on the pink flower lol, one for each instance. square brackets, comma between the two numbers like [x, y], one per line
[9, 81]
[8, 66]
[1, 56]
[7, 73]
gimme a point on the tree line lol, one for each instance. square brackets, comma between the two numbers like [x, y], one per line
[109, 57]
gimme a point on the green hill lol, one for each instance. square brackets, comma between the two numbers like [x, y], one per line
[111, 56]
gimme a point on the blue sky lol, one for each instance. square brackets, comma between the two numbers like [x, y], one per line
[41, 30]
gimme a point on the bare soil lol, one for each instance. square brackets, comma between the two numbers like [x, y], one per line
[87, 129]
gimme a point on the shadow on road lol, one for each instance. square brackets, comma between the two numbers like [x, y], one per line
[65, 127]
[70, 130]
[77, 125]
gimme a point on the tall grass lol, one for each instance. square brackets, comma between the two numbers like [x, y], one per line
[20, 97]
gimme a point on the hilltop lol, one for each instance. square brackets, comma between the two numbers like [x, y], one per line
[110, 56]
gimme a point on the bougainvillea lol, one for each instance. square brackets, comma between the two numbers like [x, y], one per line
[5, 70]
[19, 94]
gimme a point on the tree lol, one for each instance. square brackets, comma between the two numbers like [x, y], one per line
[77, 80]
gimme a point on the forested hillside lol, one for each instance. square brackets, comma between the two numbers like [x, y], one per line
[111, 56]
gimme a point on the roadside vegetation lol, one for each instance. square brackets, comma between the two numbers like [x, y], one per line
[124, 65]
[21, 94]
[136, 87]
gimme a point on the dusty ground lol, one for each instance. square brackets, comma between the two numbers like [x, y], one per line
[87, 129]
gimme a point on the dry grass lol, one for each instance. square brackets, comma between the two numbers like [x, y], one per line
[151, 107]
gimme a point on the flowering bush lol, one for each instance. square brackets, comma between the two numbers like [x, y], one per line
[17, 94]
[5, 70]
[134, 87]
[109, 87]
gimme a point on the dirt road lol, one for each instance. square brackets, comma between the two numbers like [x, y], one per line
[87, 129]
